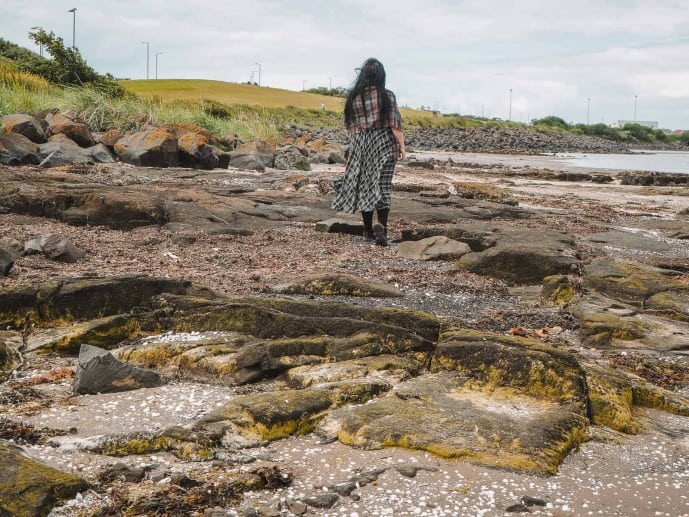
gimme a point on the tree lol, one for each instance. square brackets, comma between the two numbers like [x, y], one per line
[551, 121]
[68, 66]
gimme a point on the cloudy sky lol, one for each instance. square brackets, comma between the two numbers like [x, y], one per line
[454, 55]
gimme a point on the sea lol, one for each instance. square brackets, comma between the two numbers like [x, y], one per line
[655, 161]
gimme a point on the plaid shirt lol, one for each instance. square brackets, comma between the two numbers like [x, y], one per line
[367, 114]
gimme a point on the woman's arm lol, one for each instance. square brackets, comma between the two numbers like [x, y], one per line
[399, 136]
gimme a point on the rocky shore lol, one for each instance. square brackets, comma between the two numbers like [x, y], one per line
[188, 341]
[495, 140]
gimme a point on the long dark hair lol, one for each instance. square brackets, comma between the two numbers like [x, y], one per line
[372, 73]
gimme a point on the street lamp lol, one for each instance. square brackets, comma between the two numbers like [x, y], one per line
[157, 54]
[40, 43]
[330, 83]
[73, 10]
[303, 85]
[259, 73]
[148, 47]
[509, 117]
[635, 97]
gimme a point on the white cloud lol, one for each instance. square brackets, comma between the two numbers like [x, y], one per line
[458, 55]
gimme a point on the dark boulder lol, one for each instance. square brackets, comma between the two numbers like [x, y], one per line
[99, 372]
[25, 125]
[61, 150]
[150, 148]
[16, 149]
[196, 151]
[77, 131]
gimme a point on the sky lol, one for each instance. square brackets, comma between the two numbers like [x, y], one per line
[585, 60]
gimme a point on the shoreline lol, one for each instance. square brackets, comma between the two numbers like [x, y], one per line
[610, 474]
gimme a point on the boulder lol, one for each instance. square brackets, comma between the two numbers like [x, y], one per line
[76, 131]
[196, 151]
[101, 154]
[61, 150]
[338, 284]
[256, 155]
[433, 248]
[16, 149]
[328, 153]
[25, 125]
[525, 257]
[223, 157]
[99, 372]
[150, 148]
[54, 247]
[291, 158]
[6, 262]
[12, 246]
[28, 487]
[110, 137]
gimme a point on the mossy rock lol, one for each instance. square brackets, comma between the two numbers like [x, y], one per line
[234, 358]
[73, 299]
[613, 395]
[524, 257]
[402, 330]
[262, 417]
[631, 283]
[494, 360]
[672, 304]
[28, 487]
[9, 357]
[442, 414]
[604, 329]
[338, 284]
[389, 367]
[558, 289]
[103, 333]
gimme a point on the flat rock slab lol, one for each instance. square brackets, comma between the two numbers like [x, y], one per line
[439, 414]
[28, 487]
[433, 248]
[338, 284]
[336, 225]
[524, 257]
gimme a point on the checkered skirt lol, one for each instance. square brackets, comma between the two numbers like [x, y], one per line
[367, 182]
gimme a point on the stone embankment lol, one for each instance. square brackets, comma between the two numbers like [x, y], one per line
[493, 140]
[54, 139]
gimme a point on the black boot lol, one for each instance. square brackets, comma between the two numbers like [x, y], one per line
[368, 225]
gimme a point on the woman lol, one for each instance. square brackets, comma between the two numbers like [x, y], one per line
[376, 141]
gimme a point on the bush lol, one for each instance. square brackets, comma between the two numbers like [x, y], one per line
[551, 121]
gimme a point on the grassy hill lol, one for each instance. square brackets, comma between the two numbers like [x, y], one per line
[167, 90]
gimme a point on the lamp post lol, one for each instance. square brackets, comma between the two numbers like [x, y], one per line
[73, 10]
[148, 47]
[40, 44]
[588, 110]
[635, 97]
[330, 83]
[157, 54]
[259, 73]
[509, 117]
[303, 85]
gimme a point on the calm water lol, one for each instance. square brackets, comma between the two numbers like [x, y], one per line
[657, 161]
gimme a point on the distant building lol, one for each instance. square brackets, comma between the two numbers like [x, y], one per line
[647, 123]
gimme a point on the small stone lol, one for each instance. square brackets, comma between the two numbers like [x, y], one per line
[296, 507]
[322, 500]
[518, 508]
[533, 501]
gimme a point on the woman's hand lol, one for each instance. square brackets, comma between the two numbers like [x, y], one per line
[399, 136]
